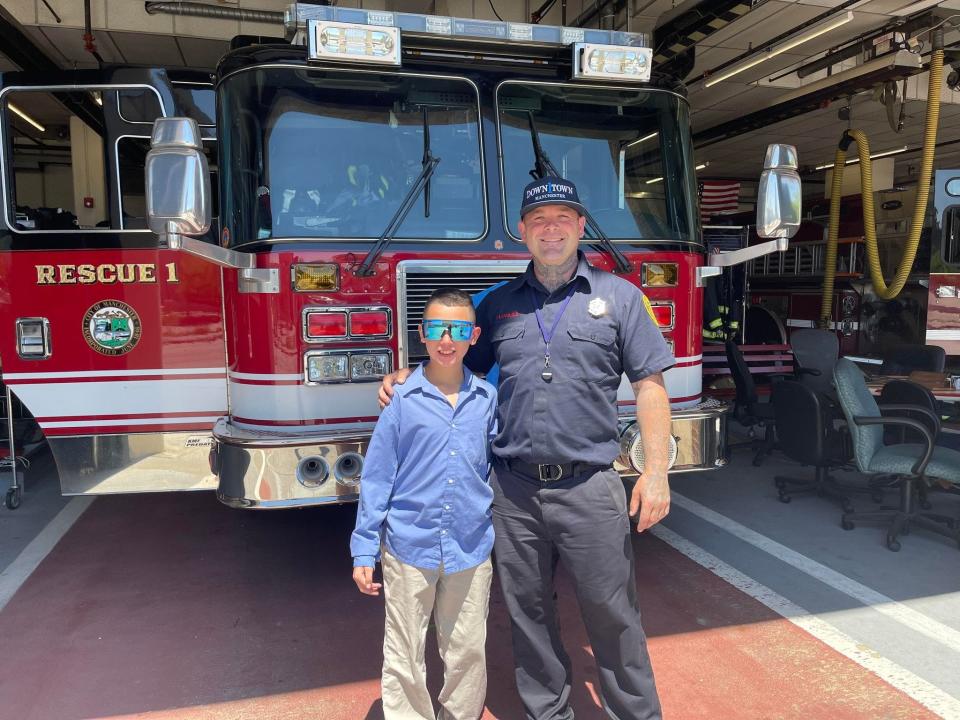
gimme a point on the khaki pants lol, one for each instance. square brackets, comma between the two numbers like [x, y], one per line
[459, 603]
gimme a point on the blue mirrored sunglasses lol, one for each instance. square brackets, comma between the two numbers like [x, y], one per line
[459, 330]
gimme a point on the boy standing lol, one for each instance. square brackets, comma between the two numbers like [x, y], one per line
[425, 497]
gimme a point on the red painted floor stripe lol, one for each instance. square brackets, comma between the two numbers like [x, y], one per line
[174, 607]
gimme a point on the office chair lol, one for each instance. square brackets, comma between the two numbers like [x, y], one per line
[805, 433]
[912, 463]
[904, 359]
[815, 352]
[747, 408]
[904, 392]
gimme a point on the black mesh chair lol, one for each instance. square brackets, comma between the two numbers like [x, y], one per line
[805, 433]
[747, 408]
[815, 352]
[904, 359]
[904, 392]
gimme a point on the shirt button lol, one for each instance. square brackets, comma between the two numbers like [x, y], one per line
[453, 452]
[450, 481]
[443, 532]
[453, 425]
[446, 507]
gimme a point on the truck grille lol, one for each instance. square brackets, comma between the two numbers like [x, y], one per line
[418, 279]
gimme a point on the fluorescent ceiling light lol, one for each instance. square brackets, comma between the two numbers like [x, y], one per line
[701, 166]
[873, 156]
[641, 140]
[811, 32]
[915, 7]
[17, 111]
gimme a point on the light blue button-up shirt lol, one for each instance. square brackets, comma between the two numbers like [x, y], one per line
[425, 487]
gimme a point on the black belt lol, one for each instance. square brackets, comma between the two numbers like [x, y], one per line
[552, 472]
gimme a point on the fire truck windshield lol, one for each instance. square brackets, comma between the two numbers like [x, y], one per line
[312, 153]
[628, 151]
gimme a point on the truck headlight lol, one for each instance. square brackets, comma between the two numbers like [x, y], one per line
[369, 366]
[337, 366]
[327, 367]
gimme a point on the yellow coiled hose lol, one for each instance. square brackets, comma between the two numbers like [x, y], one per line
[880, 286]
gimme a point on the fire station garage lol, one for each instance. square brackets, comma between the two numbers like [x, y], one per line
[708, 251]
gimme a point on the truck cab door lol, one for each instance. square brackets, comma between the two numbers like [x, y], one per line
[114, 345]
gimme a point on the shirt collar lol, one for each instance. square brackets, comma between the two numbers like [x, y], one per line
[583, 271]
[418, 382]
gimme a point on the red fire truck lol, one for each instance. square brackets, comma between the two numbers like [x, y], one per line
[173, 333]
[788, 287]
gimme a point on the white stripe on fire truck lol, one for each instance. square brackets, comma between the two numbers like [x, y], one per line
[266, 377]
[132, 374]
[943, 334]
[320, 402]
[130, 422]
[124, 397]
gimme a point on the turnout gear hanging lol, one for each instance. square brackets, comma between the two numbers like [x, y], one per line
[722, 306]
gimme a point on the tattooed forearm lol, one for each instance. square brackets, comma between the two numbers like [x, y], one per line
[653, 415]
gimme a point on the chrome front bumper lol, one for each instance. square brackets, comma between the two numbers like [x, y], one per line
[700, 436]
[263, 469]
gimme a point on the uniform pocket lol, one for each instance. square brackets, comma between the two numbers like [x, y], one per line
[506, 339]
[507, 331]
[617, 491]
[594, 351]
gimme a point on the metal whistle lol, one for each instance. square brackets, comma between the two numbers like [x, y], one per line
[547, 373]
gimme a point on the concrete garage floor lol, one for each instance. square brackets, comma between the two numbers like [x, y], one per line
[173, 606]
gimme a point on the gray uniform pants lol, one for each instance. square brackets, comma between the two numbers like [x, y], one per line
[582, 522]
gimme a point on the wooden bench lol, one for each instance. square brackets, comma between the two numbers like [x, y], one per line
[761, 360]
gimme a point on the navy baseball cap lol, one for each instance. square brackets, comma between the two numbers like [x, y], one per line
[550, 191]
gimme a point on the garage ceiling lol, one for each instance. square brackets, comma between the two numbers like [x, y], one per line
[125, 33]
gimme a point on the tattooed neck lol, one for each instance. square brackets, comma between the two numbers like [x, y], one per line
[554, 276]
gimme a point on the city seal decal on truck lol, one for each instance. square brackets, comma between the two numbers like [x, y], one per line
[111, 327]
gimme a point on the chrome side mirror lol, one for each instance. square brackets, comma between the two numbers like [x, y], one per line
[779, 197]
[177, 180]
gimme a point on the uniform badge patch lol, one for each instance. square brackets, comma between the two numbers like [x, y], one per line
[597, 307]
[111, 327]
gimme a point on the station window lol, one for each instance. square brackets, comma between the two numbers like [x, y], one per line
[56, 173]
[62, 168]
[950, 250]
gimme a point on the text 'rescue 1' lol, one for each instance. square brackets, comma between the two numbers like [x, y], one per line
[105, 274]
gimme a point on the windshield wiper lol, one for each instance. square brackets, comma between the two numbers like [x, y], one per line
[421, 184]
[542, 167]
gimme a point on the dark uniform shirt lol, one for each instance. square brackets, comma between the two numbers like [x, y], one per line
[604, 332]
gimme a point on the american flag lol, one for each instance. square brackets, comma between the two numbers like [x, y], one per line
[718, 196]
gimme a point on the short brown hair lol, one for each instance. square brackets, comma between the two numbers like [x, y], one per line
[451, 297]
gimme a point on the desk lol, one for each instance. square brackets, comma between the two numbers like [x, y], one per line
[939, 389]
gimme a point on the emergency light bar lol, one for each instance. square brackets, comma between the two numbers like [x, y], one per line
[592, 61]
[327, 40]
[296, 18]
